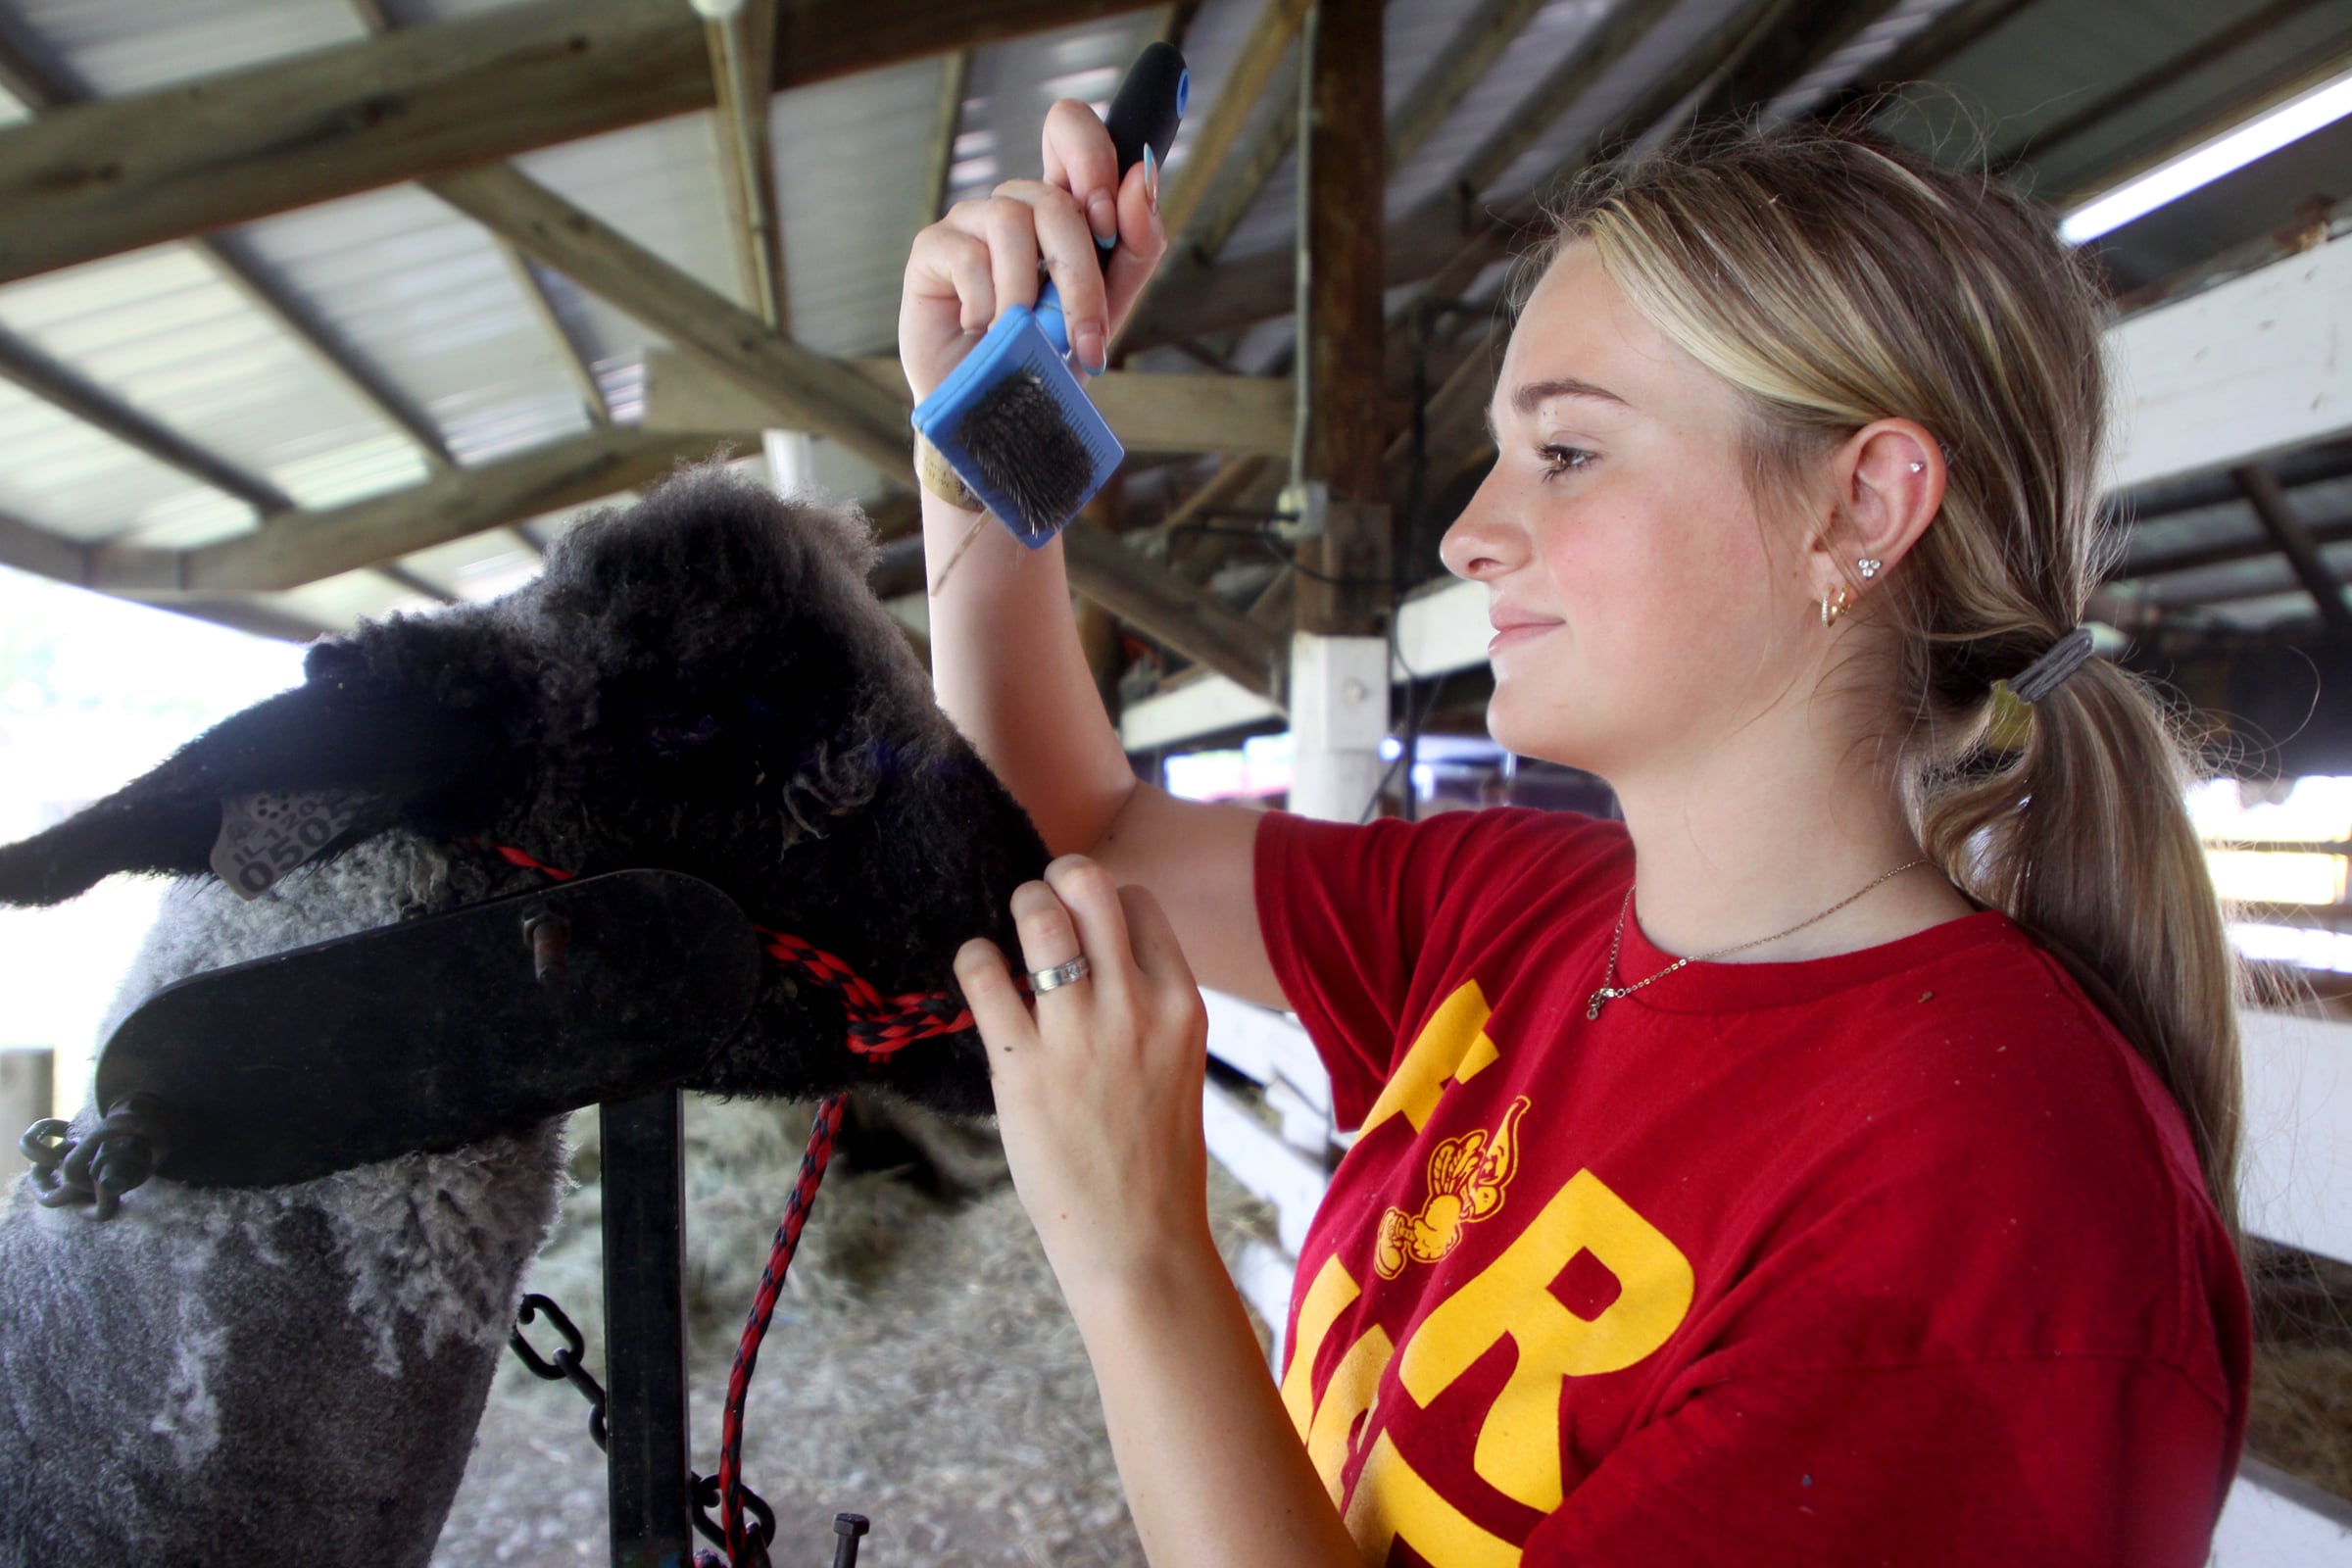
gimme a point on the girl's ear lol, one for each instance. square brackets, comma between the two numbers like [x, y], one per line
[367, 752]
[1890, 478]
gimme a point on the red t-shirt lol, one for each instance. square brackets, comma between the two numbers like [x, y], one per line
[1896, 1257]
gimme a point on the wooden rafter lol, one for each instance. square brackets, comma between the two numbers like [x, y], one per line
[1148, 414]
[1938, 41]
[455, 504]
[1463, 64]
[955, 80]
[1782, 46]
[46, 90]
[1212, 143]
[2146, 83]
[1158, 603]
[2293, 538]
[825, 397]
[107, 176]
[568, 352]
[66, 389]
[742, 65]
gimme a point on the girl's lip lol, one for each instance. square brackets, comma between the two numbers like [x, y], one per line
[1518, 632]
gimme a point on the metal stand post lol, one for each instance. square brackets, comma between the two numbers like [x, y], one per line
[645, 1331]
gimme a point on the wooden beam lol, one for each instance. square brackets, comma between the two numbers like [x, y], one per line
[1465, 64]
[2236, 109]
[1928, 48]
[1344, 572]
[2204, 52]
[103, 178]
[408, 581]
[50, 89]
[568, 352]
[954, 79]
[42, 553]
[2237, 375]
[455, 504]
[1785, 45]
[824, 395]
[28, 78]
[93, 405]
[305, 325]
[743, 64]
[1156, 602]
[1150, 413]
[2295, 540]
[1594, 57]
[1206, 155]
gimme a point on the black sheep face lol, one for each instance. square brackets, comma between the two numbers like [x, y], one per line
[702, 683]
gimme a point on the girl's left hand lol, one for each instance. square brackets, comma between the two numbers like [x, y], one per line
[1099, 1090]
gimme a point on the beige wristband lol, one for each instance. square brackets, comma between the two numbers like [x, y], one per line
[937, 475]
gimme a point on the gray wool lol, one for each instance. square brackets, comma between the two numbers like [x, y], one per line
[285, 1374]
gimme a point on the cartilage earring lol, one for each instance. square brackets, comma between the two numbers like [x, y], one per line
[1918, 468]
[1868, 567]
[1830, 610]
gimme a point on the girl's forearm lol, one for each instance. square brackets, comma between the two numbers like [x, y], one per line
[1008, 669]
[1213, 1471]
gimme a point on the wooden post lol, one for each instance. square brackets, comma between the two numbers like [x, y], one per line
[1340, 656]
[1342, 592]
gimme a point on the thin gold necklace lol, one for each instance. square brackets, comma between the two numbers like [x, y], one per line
[1610, 990]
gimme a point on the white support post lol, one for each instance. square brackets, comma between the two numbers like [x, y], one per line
[1338, 716]
[791, 460]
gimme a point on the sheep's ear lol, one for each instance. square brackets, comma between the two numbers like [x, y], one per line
[368, 752]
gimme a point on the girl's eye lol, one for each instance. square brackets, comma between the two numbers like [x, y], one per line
[1559, 459]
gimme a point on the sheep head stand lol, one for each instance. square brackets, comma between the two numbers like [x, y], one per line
[293, 1374]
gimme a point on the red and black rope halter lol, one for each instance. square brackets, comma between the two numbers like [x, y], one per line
[879, 1027]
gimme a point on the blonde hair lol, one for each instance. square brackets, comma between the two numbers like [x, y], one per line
[1835, 280]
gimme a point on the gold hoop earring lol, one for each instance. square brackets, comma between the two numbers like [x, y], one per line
[1830, 610]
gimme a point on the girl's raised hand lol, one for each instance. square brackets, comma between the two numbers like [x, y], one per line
[1098, 1091]
[982, 258]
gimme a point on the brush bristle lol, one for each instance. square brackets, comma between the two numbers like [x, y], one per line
[1027, 452]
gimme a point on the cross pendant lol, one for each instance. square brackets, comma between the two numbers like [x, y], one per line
[1606, 994]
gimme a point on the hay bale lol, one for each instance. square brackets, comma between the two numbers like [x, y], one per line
[921, 1370]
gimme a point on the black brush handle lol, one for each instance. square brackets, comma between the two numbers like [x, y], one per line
[1149, 106]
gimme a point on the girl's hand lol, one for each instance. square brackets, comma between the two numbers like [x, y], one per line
[982, 258]
[1098, 1093]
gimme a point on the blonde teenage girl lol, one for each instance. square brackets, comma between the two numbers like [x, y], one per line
[1831, 1162]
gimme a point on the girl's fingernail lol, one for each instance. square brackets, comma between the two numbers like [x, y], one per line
[1102, 217]
[1088, 341]
[1151, 177]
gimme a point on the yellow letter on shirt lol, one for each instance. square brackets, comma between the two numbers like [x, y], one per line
[1453, 1044]
[1519, 1443]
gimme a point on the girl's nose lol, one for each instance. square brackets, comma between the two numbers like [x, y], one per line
[1483, 542]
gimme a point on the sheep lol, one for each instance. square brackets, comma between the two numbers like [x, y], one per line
[702, 683]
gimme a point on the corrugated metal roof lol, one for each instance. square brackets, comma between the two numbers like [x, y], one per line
[431, 304]
[116, 47]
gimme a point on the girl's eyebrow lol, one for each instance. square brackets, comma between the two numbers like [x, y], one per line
[1533, 395]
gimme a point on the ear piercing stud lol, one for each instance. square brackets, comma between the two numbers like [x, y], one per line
[1918, 468]
[1868, 567]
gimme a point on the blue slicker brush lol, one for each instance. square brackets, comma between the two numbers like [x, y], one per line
[1012, 419]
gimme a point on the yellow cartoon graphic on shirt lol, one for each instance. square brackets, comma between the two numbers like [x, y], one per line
[1467, 1176]
[1343, 1404]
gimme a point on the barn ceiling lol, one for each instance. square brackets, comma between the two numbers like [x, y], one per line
[314, 309]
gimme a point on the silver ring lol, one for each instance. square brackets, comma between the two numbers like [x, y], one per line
[1042, 981]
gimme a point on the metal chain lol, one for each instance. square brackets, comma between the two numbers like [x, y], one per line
[1610, 990]
[567, 1365]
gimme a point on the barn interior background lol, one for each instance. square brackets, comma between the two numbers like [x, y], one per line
[315, 310]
